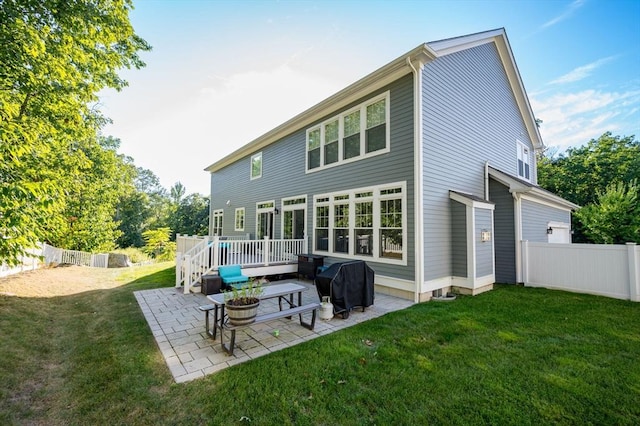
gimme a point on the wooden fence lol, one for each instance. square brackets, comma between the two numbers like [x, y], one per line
[606, 270]
[74, 257]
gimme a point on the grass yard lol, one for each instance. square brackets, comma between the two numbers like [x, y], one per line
[514, 355]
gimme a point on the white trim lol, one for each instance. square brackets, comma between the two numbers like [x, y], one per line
[293, 207]
[523, 152]
[559, 225]
[351, 200]
[396, 283]
[517, 212]
[486, 205]
[260, 210]
[534, 199]
[255, 156]
[436, 284]
[235, 218]
[418, 178]
[218, 213]
[362, 107]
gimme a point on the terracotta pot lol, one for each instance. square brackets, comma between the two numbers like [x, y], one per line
[242, 314]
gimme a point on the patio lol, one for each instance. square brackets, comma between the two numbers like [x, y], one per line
[178, 327]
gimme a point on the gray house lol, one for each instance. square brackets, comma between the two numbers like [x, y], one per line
[424, 168]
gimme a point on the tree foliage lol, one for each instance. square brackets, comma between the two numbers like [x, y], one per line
[158, 244]
[615, 217]
[56, 56]
[191, 216]
[602, 177]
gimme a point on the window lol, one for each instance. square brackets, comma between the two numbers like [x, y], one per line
[256, 166]
[341, 224]
[523, 161]
[331, 142]
[351, 141]
[376, 127]
[357, 133]
[322, 225]
[239, 219]
[313, 149]
[364, 223]
[216, 226]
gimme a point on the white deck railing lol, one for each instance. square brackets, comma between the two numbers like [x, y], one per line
[212, 252]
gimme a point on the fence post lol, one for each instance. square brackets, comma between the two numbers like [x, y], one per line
[187, 274]
[634, 273]
[178, 269]
[265, 252]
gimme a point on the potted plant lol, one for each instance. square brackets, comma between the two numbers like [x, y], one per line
[242, 303]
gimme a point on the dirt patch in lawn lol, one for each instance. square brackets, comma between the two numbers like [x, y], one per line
[58, 281]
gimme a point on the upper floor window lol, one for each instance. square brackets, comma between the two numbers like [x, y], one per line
[256, 166]
[524, 161]
[357, 133]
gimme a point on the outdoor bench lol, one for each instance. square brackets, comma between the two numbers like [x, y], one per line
[288, 313]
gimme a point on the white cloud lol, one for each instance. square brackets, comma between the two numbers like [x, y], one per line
[570, 10]
[188, 133]
[572, 119]
[582, 72]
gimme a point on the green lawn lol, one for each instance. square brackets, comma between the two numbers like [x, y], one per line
[510, 356]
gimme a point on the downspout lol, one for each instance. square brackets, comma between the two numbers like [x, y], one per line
[418, 181]
[486, 180]
[517, 213]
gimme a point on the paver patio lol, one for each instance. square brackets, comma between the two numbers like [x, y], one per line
[178, 327]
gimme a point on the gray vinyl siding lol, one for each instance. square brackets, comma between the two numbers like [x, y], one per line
[283, 175]
[459, 239]
[484, 250]
[503, 232]
[535, 218]
[470, 116]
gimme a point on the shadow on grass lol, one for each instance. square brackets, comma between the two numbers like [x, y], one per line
[511, 356]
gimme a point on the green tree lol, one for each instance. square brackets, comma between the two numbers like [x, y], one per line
[580, 173]
[92, 196]
[157, 244]
[192, 215]
[615, 217]
[56, 56]
[145, 205]
[585, 174]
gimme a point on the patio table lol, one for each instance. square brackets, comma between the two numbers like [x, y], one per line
[284, 292]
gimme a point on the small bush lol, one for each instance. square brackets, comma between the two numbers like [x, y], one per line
[134, 254]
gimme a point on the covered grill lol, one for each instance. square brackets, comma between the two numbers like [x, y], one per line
[348, 284]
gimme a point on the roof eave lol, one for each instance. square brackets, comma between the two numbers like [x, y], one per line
[370, 83]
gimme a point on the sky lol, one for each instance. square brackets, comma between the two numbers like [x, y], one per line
[222, 73]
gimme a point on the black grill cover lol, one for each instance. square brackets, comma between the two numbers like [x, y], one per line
[348, 284]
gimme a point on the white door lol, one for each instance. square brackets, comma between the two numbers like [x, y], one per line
[559, 233]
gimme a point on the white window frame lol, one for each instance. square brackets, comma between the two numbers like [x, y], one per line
[218, 222]
[290, 204]
[239, 217]
[363, 134]
[268, 206]
[334, 198]
[253, 158]
[524, 155]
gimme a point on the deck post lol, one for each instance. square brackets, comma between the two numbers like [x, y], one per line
[178, 269]
[266, 251]
[214, 250]
[187, 274]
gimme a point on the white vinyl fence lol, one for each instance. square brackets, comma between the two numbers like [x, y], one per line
[28, 262]
[605, 270]
[57, 255]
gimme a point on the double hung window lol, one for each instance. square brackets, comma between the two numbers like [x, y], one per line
[524, 169]
[357, 133]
